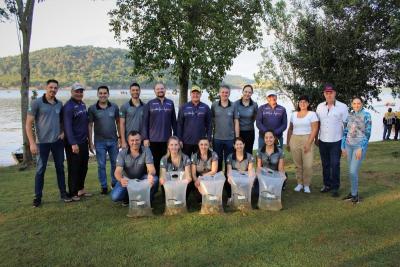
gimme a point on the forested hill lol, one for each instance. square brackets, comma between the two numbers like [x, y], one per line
[89, 65]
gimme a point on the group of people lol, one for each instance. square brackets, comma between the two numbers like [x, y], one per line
[200, 141]
[391, 119]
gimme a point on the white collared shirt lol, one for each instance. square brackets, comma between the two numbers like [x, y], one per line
[332, 120]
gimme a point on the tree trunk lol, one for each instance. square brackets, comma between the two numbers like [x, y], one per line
[25, 16]
[183, 84]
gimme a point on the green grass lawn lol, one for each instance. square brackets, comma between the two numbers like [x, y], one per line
[311, 230]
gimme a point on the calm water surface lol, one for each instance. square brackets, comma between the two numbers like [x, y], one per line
[10, 114]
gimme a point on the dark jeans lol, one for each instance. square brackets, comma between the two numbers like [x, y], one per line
[120, 193]
[57, 150]
[223, 148]
[188, 150]
[248, 137]
[330, 157]
[396, 129]
[158, 149]
[77, 167]
[387, 130]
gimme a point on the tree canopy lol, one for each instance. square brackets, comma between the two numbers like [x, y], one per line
[353, 44]
[196, 39]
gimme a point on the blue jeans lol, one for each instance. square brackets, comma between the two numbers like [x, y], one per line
[223, 148]
[57, 150]
[387, 130]
[120, 193]
[261, 142]
[354, 166]
[330, 158]
[102, 147]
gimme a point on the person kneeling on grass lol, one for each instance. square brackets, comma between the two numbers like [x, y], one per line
[204, 163]
[239, 160]
[134, 162]
[270, 156]
[174, 160]
[355, 143]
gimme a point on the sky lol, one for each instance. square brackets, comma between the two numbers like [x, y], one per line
[85, 22]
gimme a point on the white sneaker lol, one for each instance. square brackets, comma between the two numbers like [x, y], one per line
[307, 189]
[298, 188]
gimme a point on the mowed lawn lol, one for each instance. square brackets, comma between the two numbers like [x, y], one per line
[311, 230]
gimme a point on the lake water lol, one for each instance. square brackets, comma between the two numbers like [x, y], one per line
[10, 114]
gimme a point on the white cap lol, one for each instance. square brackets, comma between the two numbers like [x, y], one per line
[271, 92]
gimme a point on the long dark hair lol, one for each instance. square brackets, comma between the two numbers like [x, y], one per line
[209, 152]
[276, 149]
[234, 150]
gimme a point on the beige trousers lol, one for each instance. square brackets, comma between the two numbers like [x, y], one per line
[302, 161]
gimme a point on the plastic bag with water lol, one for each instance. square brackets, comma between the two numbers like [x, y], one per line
[175, 193]
[139, 198]
[211, 189]
[270, 189]
[241, 190]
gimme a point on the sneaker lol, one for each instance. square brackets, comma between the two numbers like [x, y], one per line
[325, 189]
[335, 193]
[298, 188]
[104, 191]
[307, 189]
[125, 203]
[348, 197]
[355, 199]
[66, 199]
[76, 198]
[36, 202]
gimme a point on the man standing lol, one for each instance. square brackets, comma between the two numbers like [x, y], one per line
[134, 162]
[397, 125]
[271, 116]
[131, 114]
[194, 122]
[222, 113]
[104, 115]
[332, 114]
[158, 123]
[45, 112]
[76, 146]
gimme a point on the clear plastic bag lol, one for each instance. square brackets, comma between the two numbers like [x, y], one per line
[211, 190]
[175, 193]
[270, 189]
[139, 198]
[241, 190]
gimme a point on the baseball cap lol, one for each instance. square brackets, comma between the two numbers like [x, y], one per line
[271, 92]
[328, 88]
[195, 89]
[77, 86]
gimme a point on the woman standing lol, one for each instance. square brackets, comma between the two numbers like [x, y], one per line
[240, 160]
[174, 160]
[355, 143]
[245, 115]
[300, 138]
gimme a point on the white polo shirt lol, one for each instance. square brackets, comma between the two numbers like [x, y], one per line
[332, 120]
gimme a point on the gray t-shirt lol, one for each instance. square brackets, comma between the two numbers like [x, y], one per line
[203, 166]
[47, 119]
[246, 114]
[134, 168]
[223, 121]
[105, 126]
[270, 161]
[240, 165]
[167, 164]
[133, 116]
